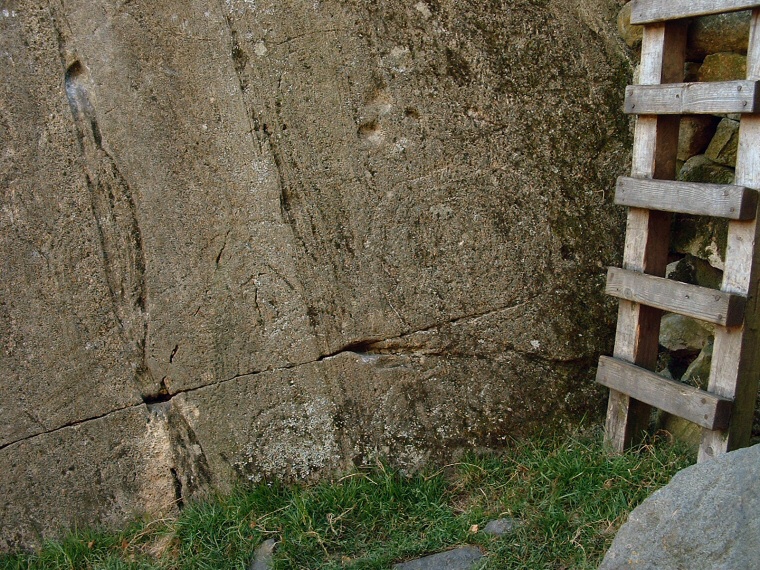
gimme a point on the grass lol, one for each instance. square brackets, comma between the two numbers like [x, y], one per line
[567, 493]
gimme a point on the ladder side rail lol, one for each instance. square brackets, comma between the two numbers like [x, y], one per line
[647, 231]
[736, 356]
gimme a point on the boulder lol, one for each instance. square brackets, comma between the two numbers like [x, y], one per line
[723, 146]
[263, 556]
[690, 269]
[704, 519]
[207, 205]
[701, 168]
[380, 402]
[698, 372]
[728, 32]
[702, 237]
[684, 335]
[724, 66]
[684, 340]
[694, 134]
[630, 33]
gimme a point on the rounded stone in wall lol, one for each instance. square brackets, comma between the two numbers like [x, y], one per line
[718, 33]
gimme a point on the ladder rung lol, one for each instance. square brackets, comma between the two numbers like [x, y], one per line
[649, 11]
[718, 200]
[693, 98]
[694, 301]
[703, 408]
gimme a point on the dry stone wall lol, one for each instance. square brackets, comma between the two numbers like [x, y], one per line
[248, 239]
[716, 51]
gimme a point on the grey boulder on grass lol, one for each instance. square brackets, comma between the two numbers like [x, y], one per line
[706, 518]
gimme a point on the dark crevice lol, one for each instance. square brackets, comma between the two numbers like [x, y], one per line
[239, 57]
[404, 345]
[177, 488]
[286, 200]
[221, 251]
[368, 346]
[374, 346]
[80, 104]
[152, 399]
[159, 397]
[67, 425]
[57, 19]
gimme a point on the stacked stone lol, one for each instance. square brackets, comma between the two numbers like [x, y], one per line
[716, 51]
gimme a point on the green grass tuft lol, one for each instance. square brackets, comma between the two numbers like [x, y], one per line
[568, 494]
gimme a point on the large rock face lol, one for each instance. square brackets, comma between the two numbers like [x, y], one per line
[704, 519]
[259, 238]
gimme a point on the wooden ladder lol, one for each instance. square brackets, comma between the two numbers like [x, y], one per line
[725, 409]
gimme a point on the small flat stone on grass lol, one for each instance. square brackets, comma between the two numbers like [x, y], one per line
[462, 558]
[262, 557]
[500, 527]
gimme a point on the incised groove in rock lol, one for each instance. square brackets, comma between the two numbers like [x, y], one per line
[115, 213]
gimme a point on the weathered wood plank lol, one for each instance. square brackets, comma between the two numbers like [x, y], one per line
[735, 365]
[718, 200]
[701, 303]
[648, 11]
[703, 408]
[693, 98]
[647, 232]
